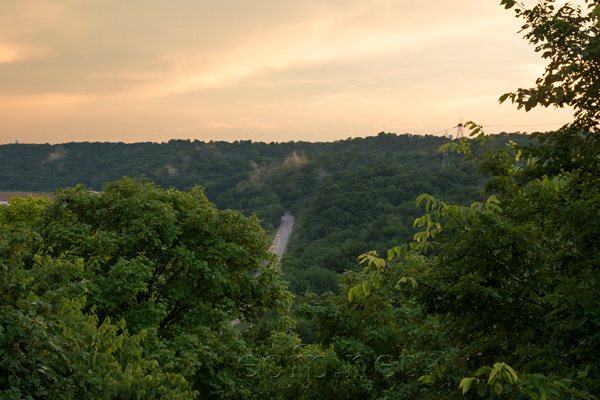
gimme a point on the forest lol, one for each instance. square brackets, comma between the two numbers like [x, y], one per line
[419, 267]
[347, 197]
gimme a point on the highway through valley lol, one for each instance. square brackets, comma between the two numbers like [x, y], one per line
[283, 234]
[279, 243]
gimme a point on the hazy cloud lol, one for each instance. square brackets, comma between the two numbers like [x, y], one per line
[139, 70]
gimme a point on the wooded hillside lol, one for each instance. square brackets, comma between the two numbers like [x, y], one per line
[347, 197]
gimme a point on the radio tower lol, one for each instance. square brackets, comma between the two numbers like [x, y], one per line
[460, 129]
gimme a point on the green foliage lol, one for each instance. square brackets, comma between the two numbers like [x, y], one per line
[379, 344]
[515, 278]
[50, 348]
[493, 297]
[568, 37]
[164, 258]
[22, 211]
[347, 197]
[175, 272]
[368, 204]
[501, 380]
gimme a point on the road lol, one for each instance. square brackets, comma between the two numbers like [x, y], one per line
[283, 234]
[279, 243]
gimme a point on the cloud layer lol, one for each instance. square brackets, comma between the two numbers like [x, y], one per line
[83, 70]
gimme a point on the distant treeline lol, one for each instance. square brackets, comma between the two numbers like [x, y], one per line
[348, 196]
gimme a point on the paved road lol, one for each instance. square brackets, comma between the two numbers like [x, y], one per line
[283, 234]
[279, 243]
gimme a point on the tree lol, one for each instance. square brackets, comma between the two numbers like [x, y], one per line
[164, 258]
[50, 347]
[169, 267]
[568, 37]
[380, 343]
[21, 212]
[515, 279]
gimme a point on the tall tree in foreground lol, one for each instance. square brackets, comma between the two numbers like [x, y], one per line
[164, 258]
[515, 280]
[50, 348]
[170, 269]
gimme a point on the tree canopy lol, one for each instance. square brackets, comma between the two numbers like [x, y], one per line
[172, 271]
[514, 280]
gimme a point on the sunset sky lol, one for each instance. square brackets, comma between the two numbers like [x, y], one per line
[266, 70]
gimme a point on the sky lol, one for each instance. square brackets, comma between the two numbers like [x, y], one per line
[264, 70]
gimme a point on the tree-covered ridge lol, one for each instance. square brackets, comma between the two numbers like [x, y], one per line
[242, 175]
[183, 164]
[347, 196]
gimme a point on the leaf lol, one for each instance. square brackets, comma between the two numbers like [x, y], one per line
[497, 368]
[413, 281]
[377, 282]
[465, 384]
[494, 207]
[557, 310]
[508, 4]
[498, 388]
[512, 372]
[440, 372]
[366, 287]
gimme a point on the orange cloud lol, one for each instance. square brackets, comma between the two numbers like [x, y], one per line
[11, 53]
